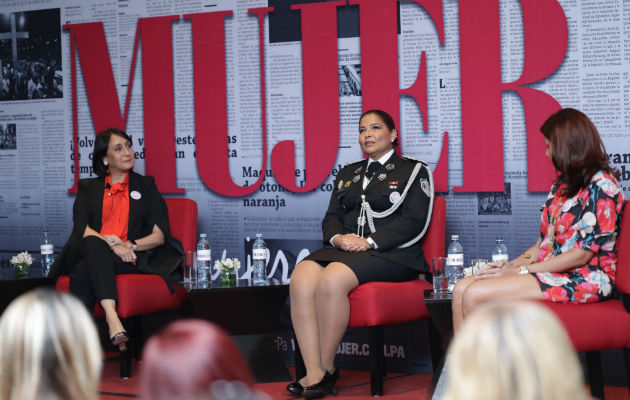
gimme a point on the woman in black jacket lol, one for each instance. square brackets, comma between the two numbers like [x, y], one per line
[120, 227]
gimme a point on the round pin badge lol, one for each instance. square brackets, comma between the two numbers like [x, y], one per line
[394, 197]
[135, 195]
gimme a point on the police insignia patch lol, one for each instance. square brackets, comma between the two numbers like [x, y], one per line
[356, 171]
[356, 178]
[382, 177]
[390, 167]
[426, 188]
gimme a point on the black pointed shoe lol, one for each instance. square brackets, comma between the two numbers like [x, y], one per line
[321, 389]
[295, 388]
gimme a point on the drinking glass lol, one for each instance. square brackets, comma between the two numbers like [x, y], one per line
[190, 266]
[440, 280]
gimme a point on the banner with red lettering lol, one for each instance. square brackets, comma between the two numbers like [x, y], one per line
[251, 108]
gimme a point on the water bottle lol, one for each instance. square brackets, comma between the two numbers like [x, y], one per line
[203, 259]
[259, 258]
[46, 250]
[454, 262]
[500, 252]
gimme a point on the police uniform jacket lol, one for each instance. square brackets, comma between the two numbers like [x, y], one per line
[385, 187]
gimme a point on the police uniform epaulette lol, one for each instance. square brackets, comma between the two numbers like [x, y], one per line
[406, 157]
[354, 162]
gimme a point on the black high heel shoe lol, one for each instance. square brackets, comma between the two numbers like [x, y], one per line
[321, 389]
[120, 340]
[297, 389]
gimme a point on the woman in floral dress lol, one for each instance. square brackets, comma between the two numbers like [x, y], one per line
[574, 259]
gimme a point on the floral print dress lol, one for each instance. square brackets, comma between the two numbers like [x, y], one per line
[586, 221]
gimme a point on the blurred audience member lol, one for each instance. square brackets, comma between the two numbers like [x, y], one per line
[50, 349]
[513, 350]
[194, 360]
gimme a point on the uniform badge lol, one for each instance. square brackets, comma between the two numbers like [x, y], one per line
[393, 185]
[340, 185]
[348, 183]
[426, 188]
[135, 195]
[382, 177]
[394, 197]
[356, 178]
[356, 171]
[390, 166]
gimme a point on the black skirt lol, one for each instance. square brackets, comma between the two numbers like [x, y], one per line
[366, 265]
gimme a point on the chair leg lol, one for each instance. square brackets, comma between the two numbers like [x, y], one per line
[300, 368]
[131, 350]
[377, 359]
[594, 370]
[435, 345]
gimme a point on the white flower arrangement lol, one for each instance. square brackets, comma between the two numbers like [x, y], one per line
[227, 266]
[22, 259]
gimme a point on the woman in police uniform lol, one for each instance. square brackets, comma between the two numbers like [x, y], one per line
[378, 211]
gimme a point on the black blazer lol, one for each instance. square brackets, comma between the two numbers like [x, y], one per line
[392, 231]
[145, 211]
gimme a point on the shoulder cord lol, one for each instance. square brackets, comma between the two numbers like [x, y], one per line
[366, 209]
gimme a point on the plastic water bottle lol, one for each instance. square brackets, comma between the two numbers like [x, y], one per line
[454, 262]
[259, 258]
[203, 259]
[46, 250]
[500, 252]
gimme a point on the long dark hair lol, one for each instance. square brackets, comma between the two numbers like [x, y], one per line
[577, 151]
[100, 149]
[387, 119]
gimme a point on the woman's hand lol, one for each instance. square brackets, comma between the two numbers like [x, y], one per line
[351, 242]
[497, 269]
[125, 253]
[112, 240]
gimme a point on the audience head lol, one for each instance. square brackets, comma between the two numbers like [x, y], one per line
[575, 148]
[101, 145]
[194, 359]
[513, 351]
[50, 349]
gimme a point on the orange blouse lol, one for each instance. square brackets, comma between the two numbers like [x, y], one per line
[115, 219]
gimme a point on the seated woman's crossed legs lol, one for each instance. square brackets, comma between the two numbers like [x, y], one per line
[469, 293]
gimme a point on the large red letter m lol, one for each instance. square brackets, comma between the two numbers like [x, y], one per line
[157, 88]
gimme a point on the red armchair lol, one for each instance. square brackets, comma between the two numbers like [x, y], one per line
[140, 294]
[605, 325]
[376, 304]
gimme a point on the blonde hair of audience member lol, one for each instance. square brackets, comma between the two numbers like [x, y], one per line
[50, 349]
[513, 350]
[195, 360]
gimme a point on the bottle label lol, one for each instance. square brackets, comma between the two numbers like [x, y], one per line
[499, 257]
[203, 255]
[455, 259]
[259, 254]
[46, 249]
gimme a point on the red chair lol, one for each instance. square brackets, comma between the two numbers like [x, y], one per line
[376, 304]
[605, 325]
[140, 294]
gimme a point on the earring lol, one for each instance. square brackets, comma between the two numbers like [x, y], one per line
[105, 163]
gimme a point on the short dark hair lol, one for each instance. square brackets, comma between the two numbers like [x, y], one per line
[100, 149]
[387, 120]
[577, 151]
